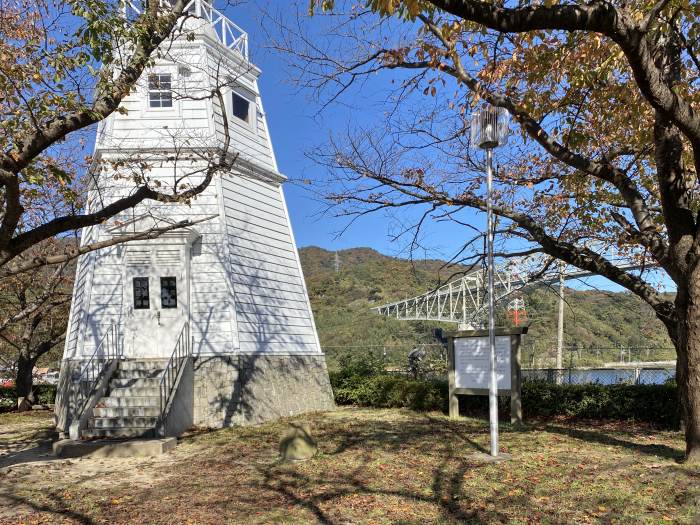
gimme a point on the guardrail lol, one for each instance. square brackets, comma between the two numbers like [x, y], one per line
[107, 350]
[228, 33]
[168, 380]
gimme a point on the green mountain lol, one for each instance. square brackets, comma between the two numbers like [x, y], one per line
[598, 326]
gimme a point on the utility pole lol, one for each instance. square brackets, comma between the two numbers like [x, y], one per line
[337, 262]
[560, 325]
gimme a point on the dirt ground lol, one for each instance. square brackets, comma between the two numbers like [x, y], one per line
[374, 466]
[26, 461]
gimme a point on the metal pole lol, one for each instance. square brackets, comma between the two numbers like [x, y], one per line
[493, 386]
[560, 325]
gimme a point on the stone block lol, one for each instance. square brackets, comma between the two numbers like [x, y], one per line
[67, 448]
[297, 443]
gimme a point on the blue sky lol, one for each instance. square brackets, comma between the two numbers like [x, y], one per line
[296, 126]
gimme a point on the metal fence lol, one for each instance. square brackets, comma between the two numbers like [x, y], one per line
[601, 376]
[543, 354]
[432, 362]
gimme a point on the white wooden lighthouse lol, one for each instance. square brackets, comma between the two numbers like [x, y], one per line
[208, 324]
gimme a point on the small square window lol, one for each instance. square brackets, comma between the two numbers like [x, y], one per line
[168, 292]
[241, 107]
[141, 297]
[160, 94]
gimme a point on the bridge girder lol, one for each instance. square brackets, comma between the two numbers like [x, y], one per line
[465, 300]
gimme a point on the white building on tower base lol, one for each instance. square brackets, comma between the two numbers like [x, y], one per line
[208, 324]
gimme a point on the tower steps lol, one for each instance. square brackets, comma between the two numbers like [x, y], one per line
[131, 406]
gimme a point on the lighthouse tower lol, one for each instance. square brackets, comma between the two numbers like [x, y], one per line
[210, 323]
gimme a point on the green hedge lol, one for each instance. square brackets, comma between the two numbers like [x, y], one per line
[45, 395]
[656, 404]
[389, 391]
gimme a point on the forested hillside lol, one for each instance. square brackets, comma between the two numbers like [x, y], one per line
[599, 326]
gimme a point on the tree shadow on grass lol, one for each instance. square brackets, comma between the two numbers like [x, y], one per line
[452, 441]
[395, 468]
[390, 436]
[425, 435]
[455, 428]
[26, 448]
[56, 507]
[446, 491]
[600, 437]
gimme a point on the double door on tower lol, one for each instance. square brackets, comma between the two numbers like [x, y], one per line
[156, 300]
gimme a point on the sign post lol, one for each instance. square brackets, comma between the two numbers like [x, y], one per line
[469, 370]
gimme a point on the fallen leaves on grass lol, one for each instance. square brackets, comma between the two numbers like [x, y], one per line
[388, 466]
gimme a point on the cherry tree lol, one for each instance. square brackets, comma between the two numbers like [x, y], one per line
[66, 65]
[604, 98]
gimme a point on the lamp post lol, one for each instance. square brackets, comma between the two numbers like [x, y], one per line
[489, 129]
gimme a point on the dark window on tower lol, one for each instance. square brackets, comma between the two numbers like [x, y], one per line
[160, 94]
[241, 107]
[168, 292]
[141, 300]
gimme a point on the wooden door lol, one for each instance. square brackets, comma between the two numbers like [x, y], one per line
[156, 305]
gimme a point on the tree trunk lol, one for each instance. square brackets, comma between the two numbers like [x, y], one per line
[24, 382]
[688, 364]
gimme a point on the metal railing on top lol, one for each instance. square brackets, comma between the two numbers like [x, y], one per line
[107, 350]
[182, 351]
[228, 33]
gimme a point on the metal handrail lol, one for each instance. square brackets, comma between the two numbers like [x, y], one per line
[107, 350]
[181, 352]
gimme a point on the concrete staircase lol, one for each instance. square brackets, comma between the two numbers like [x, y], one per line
[131, 405]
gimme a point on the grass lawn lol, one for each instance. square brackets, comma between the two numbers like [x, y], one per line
[375, 466]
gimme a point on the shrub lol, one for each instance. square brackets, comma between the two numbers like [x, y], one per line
[44, 395]
[7, 404]
[387, 391]
[655, 404]
[360, 364]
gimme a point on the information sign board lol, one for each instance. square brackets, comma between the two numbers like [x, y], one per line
[473, 363]
[469, 368]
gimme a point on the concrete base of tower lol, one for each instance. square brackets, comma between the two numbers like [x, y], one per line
[217, 391]
[251, 389]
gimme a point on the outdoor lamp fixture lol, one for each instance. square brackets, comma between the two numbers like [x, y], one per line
[489, 129]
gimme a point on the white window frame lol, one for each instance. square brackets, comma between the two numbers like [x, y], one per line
[174, 87]
[160, 91]
[252, 99]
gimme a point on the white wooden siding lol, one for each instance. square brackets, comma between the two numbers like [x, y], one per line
[105, 303]
[81, 290]
[246, 291]
[188, 121]
[99, 303]
[271, 302]
[249, 140]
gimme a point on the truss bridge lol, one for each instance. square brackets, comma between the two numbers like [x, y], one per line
[465, 300]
